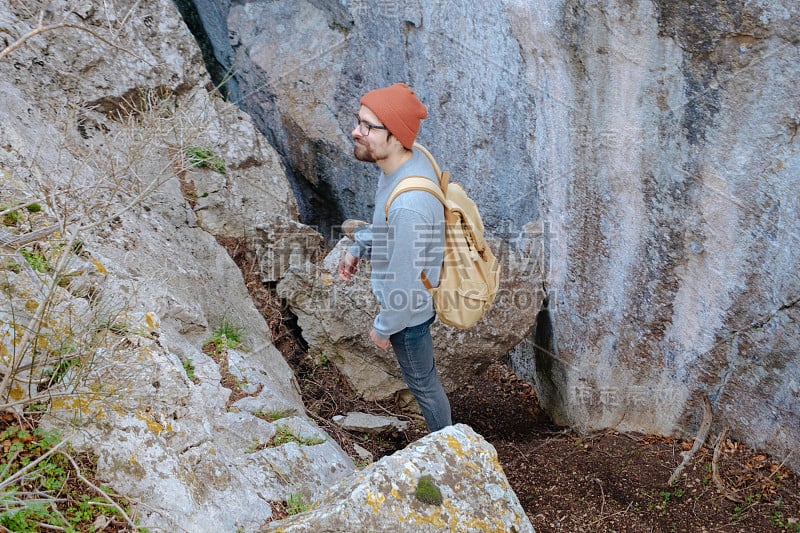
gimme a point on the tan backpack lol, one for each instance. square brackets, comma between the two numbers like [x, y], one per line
[470, 272]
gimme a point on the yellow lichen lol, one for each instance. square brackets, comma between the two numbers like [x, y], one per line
[73, 403]
[152, 425]
[16, 392]
[460, 522]
[454, 444]
[100, 268]
[5, 355]
[151, 320]
[436, 517]
[375, 500]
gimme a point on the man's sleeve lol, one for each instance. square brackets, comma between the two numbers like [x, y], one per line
[362, 241]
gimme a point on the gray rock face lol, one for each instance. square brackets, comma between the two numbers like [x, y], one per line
[657, 144]
[475, 494]
[123, 144]
[306, 99]
[670, 256]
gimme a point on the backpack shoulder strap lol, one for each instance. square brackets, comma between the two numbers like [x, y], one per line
[430, 158]
[444, 177]
[414, 183]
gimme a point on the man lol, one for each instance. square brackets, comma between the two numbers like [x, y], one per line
[411, 242]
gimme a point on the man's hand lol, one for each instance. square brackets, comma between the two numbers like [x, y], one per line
[348, 266]
[379, 342]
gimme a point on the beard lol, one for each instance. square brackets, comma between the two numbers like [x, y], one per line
[363, 153]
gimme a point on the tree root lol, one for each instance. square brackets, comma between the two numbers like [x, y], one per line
[699, 440]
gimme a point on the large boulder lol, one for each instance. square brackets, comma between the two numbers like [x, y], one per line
[474, 494]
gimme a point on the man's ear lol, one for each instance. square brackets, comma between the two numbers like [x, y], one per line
[393, 143]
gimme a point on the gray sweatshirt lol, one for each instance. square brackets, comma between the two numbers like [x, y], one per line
[412, 242]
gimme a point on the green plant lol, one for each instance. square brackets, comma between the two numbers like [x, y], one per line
[747, 503]
[708, 472]
[10, 217]
[284, 435]
[297, 503]
[779, 521]
[277, 414]
[255, 447]
[665, 496]
[225, 337]
[36, 260]
[202, 157]
[427, 492]
[34, 463]
[188, 367]
[62, 366]
[361, 464]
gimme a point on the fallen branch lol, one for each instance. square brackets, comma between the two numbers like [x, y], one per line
[699, 440]
[720, 484]
[13, 242]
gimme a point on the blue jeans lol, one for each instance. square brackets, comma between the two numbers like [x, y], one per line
[413, 348]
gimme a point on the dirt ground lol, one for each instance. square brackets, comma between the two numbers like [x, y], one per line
[603, 482]
[611, 481]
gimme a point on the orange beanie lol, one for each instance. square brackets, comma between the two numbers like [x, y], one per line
[399, 109]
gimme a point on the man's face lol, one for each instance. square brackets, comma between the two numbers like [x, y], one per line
[372, 146]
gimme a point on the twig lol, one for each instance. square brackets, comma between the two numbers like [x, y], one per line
[9, 462]
[628, 508]
[30, 466]
[783, 463]
[702, 433]
[720, 484]
[114, 504]
[13, 242]
[50, 27]
[602, 494]
[522, 454]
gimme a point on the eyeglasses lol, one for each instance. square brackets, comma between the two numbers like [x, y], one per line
[365, 127]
